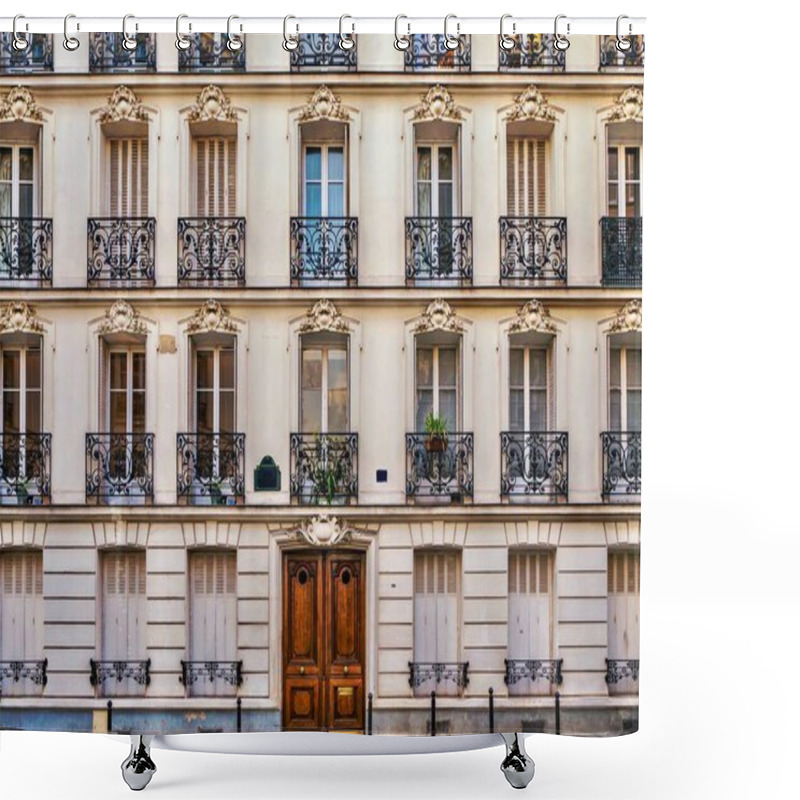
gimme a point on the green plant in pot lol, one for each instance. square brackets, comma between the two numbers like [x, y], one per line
[436, 428]
[23, 496]
[215, 492]
[328, 470]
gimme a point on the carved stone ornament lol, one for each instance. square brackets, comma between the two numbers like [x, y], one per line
[324, 316]
[628, 318]
[628, 106]
[122, 318]
[323, 530]
[533, 316]
[123, 105]
[323, 104]
[212, 105]
[19, 104]
[438, 316]
[211, 316]
[437, 104]
[19, 317]
[531, 104]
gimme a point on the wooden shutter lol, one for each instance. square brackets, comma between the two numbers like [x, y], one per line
[623, 604]
[526, 175]
[21, 607]
[216, 176]
[128, 177]
[124, 605]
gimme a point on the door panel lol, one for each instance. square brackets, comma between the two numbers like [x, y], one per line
[323, 641]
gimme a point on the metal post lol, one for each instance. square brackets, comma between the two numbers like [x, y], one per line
[433, 713]
[369, 714]
[558, 714]
[491, 710]
[238, 715]
[109, 726]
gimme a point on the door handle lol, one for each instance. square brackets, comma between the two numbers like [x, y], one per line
[346, 669]
[302, 670]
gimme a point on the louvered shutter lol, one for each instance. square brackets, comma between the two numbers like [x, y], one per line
[102, 386]
[623, 609]
[21, 606]
[526, 176]
[216, 177]
[128, 178]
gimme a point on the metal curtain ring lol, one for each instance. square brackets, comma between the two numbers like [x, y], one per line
[128, 42]
[623, 42]
[181, 41]
[451, 42]
[19, 42]
[345, 42]
[506, 42]
[401, 42]
[561, 43]
[290, 42]
[70, 42]
[234, 42]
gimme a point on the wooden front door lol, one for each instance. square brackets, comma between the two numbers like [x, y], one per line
[323, 641]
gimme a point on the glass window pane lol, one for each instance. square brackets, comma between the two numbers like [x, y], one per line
[33, 412]
[447, 408]
[447, 366]
[337, 369]
[5, 200]
[118, 412]
[633, 370]
[313, 163]
[227, 371]
[138, 412]
[614, 360]
[11, 412]
[613, 164]
[335, 163]
[613, 200]
[614, 411]
[312, 368]
[118, 363]
[11, 363]
[445, 200]
[5, 163]
[25, 200]
[336, 200]
[227, 412]
[632, 163]
[539, 410]
[424, 367]
[517, 410]
[445, 163]
[204, 369]
[517, 367]
[313, 200]
[311, 411]
[26, 163]
[138, 371]
[423, 163]
[205, 412]
[635, 410]
[337, 410]
[424, 208]
[538, 368]
[632, 200]
[33, 368]
[424, 405]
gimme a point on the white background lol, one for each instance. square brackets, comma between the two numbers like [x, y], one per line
[720, 602]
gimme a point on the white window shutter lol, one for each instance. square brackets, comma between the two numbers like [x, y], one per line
[128, 177]
[526, 177]
[216, 176]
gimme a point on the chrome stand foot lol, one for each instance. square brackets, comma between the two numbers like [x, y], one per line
[138, 768]
[517, 766]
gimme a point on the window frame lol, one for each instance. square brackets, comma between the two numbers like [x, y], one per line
[216, 389]
[324, 146]
[436, 385]
[434, 182]
[207, 207]
[15, 145]
[622, 182]
[325, 344]
[623, 388]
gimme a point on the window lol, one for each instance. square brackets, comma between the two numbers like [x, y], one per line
[529, 401]
[213, 622]
[526, 176]
[321, 51]
[324, 396]
[436, 194]
[36, 57]
[623, 620]
[128, 177]
[436, 616]
[124, 616]
[532, 50]
[438, 384]
[108, 54]
[428, 51]
[324, 192]
[624, 169]
[625, 387]
[215, 389]
[123, 407]
[21, 613]
[18, 180]
[215, 176]
[208, 52]
[530, 615]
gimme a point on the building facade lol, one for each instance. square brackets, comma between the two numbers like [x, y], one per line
[321, 385]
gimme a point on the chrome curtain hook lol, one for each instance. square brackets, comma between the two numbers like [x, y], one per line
[451, 41]
[401, 41]
[290, 41]
[623, 42]
[346, 41]
[506, 42]
[561, 43]
[70, 42]
[19, 42]
[181, 41]
[128, 42]
[234, 42]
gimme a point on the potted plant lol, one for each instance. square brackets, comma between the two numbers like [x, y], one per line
[215, 492]
[328, 471]
[23, 496]
[436, 428]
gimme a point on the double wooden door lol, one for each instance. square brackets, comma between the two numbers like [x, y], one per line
[323, 641]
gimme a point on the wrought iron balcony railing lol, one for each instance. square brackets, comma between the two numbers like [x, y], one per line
[36, 57]
[211, 251]
[229, 672]
[533, 51]
[209, 52]
[211, 468]
[118, 671]
[25, 469]
[618, 670]
[14, 672]
[439, 250]
[121, 252]
[548, 669]
[533, 464]
[428, 52]
[611, 56]
[26, 251]
[106, 53]
[323, 249]
[421, 672]
[324, 468]
[119, 468]
[621, 251]
[439, 468]
[533, 249]
[622, 462]
[321, 51]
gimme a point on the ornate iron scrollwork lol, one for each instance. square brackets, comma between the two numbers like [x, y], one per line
[533, 248]
[611, 56]
[533, 51]
[324, 467]
[621, 251]
[36, 57]
[208, 52]
[227, 671]
[428, 52]
[26, 250]
[533, 463]
[619, 669]
[25, 468]
[439, 249]
[321, 51]
[421, 672]
[622, 462]
[121, 251]
[106, 53]
[548, 669]
[119, 466]
[118, 670]
[34, 671]
[211, 468]
[211, 251]
[324, 249]
[439, 469]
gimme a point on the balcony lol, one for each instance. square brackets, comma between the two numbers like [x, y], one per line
[533, 249]
[17, 677]
[324, 251]
[208, 52]
[530, 669]
[611, 57]
[622, 463]
[117, 678]
[106, 53]
[439, 470]
[211, 251]
[26, 252]
[445, 678]
[533, 465]
[211, 469]
[428, 52]
[36, 57]
[25, 469]
[121, 252]
[320, 52]
[119, 468]
[439, 251]
[203, 678]
[324, 468]
[621, 670]
[621, 251]
[533, 51]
